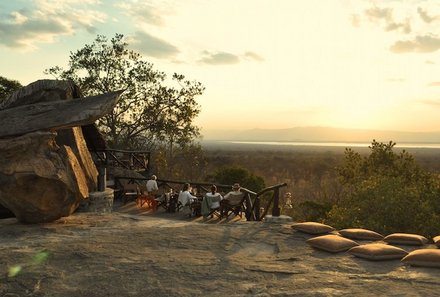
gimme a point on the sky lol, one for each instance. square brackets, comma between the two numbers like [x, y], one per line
[268, 64]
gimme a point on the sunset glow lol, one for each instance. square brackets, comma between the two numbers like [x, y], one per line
[265, 64]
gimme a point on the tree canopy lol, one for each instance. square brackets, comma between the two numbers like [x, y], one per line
[386, 192]
[229, 175]
[7, 86]
[151, 110]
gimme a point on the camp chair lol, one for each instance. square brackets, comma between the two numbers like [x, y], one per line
[130, 190]
[234, 204]
[171, 203]
[196, 207]
[207, 210]
[145, 198]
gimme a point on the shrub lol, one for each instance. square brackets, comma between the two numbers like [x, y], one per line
[386, 192]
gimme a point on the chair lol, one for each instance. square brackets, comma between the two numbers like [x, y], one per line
[172, 204]
[145, 198]
[233, 204]
[196, 208]
[206, 208]
[130, 190]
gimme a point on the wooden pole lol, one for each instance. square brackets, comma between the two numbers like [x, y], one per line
[276, 201]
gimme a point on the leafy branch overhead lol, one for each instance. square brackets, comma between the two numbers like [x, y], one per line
[152, 108]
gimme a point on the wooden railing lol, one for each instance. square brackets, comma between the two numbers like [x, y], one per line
[133, 160]
[252, 200]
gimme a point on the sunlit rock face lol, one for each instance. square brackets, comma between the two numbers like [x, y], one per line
[44, 175]
[46, 90]
[74, 139]
[39, 180]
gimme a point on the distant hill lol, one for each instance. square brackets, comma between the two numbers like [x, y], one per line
[323, 134]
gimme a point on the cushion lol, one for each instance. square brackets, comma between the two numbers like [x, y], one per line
[331, 243]
[437, 241]
[377, 252]
[423, 257]
[357, 233]
[313, 228]
[406, 239]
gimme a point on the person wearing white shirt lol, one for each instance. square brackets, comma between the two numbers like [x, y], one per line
[152, 185]
[211, 201]
[185, 196]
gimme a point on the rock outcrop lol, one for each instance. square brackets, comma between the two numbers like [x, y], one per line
[46, 168]
[40, 181]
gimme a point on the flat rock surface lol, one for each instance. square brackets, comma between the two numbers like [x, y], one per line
[138, 253]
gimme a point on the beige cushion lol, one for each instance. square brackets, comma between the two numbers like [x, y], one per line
[377, 251]
[437, 241]
[423, 257]
[357, 233]
[312, 228]
[406, 239]
[331, 243]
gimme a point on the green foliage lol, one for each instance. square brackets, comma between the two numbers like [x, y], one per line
[229, 175]
[150, 111]
[7, 86]
[311, 211]
[386, 192]
[187, 163]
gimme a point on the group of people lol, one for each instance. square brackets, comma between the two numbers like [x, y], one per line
[211, 200]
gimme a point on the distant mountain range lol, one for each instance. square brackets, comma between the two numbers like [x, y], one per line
[322, 134]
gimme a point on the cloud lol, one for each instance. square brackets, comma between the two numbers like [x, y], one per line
[376, 13]
[145, 12]
[425, 17]
[434, 84]
[253, 56]
[25, 28]
[31, 31]
[421, 44]
[219, 58]
[224, 58]
[406, 26]
[153, 46]
[385, 16]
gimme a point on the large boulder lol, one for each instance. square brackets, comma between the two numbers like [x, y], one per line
[43, 90]
[44, 177]
[74, 139]
[39, 180]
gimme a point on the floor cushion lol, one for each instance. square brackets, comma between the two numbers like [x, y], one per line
[437, 241]
[358, 233]
[423, 257]
[331, 243]
[405, 239]
[312, 227]
[377, 252]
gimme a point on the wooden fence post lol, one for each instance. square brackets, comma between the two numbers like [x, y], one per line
[276, 201]
[257, 208]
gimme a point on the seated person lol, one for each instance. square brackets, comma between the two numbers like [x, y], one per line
[185, 196]
[211, 201]
[234, 197]
[152, 187]
[232, 200]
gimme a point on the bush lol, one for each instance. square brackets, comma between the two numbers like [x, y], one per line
[386, 192]
[229, 175]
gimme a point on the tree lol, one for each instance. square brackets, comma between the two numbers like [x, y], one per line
[386, 192]
[229, 175]
[150, 111]
[7, 86]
